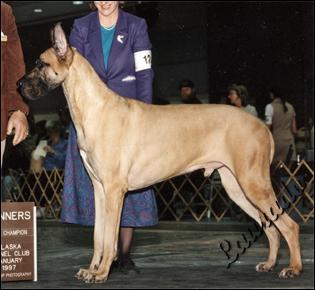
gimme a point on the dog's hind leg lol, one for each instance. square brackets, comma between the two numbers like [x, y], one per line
[112, 206]
[274, 244]
[290, 230]
[235, 192]
[98, 231]
[257, 187]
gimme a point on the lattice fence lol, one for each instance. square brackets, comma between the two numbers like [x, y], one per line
[295, 189]
[187, 197]
[44, 189]
[192, 196]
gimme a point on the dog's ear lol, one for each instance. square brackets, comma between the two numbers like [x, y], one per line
[60, 44]
[59, 41]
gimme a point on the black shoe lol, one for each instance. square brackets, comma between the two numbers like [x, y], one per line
[128, 266]
[115, 267]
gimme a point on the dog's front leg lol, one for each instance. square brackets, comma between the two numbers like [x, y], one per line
[99, 196]
[113, 202]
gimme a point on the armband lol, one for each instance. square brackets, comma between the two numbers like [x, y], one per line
[143, 60]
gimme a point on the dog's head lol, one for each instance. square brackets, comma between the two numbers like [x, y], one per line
[51, 68]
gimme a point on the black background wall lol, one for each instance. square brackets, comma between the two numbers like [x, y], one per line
[259, 44]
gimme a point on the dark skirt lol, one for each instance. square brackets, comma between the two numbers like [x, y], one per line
[139, 210]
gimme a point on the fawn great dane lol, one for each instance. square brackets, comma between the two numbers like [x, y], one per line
[119, 137]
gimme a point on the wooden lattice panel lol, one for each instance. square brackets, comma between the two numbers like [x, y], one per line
[295, 189]
[44, 189]
[203, 197]
[217, 204]
[190, 196]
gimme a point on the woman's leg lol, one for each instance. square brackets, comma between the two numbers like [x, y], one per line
[125, 244]
[124, 263]
[139, 209]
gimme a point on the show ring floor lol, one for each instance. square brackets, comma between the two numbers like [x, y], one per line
[171, 255]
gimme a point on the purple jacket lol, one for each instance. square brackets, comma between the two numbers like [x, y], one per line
[125, 76]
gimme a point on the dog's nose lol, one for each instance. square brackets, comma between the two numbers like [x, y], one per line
[20, 82]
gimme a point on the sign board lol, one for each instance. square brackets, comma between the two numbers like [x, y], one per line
[18, 241]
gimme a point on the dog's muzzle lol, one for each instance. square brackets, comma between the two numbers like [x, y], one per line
[21, 87]
[32, 88]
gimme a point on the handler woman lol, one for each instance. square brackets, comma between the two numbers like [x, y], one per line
[117, 45]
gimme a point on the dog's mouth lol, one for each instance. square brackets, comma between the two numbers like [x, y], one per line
[34, 89]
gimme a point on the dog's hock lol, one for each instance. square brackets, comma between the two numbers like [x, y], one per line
[59, 40]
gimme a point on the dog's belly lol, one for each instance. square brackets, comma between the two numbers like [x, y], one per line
[138, 180]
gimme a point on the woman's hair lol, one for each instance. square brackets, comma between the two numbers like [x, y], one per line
[93, 7]
[241, 91]
[279, 94]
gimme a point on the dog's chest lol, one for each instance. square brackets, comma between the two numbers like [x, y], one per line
[87, 164]
[81, 138]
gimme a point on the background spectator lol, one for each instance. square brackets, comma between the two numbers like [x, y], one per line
[188, 93]
[238, 96]
[50, 153]
[280, 118]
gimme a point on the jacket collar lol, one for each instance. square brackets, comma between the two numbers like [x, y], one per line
[119, 40]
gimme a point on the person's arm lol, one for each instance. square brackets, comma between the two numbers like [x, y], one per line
[58, 153]
[16, 69]
[143, 61]
[268, 115]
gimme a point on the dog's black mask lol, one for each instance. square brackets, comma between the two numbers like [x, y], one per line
[34, 85]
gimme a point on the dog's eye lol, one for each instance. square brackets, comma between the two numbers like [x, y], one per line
[40, 64]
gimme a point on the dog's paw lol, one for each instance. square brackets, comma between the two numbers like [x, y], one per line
[290, 272]
[82, 273]
[264, 267]
[95, 278]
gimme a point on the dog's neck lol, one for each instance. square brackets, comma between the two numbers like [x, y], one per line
[82, 79]
[82, 89]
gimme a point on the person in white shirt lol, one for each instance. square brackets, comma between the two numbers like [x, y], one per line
[238, 95]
